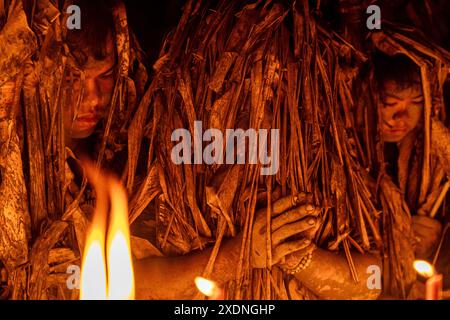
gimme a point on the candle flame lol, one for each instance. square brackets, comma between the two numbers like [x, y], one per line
[111, 277]
[207, 287]
[93, 270]
[424, 268]
[120, 266]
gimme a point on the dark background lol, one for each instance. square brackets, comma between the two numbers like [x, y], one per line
[152, 20]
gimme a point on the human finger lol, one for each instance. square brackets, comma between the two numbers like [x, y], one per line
[286, 248]
[294, 215]
[289, 202]
[292, 229]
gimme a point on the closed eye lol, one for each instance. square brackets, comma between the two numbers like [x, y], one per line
[108, 73]
[390, 104]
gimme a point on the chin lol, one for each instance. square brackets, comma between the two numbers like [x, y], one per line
[393, 138]
[81, 134]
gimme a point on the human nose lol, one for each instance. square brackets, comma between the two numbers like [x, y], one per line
[398, 114]
[91, 96]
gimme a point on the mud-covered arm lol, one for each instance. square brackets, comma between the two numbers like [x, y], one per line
[173, 277]
[329, 277]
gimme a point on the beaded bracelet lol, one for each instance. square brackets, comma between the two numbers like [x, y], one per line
[304, 263]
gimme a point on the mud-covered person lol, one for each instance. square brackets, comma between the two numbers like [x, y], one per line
[402, 113]
[93, 77]
[401, 109]
[87, 86]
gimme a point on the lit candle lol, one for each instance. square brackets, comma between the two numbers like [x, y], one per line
[434, 280]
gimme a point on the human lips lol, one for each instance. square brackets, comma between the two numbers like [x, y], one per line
[395, 131]
[88, 120]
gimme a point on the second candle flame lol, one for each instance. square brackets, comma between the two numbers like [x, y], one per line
[109, 277]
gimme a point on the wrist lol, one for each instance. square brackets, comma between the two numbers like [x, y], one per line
[299, 261]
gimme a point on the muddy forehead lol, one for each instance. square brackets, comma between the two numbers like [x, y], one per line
[401, 91]
[88, 59]
[100, 66]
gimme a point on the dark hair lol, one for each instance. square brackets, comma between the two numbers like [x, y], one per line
[97, 23]
[398, 68]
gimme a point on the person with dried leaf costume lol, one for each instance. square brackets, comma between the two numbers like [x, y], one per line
[402, 119]
[399, 118]
[410, 149]
[76, 86]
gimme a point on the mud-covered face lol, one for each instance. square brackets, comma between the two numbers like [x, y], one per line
[97, 90]
[401, 110]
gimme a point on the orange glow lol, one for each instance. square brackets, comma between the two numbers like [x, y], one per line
[205, 286]
[209, 288]
[111, 278]
[424, 268]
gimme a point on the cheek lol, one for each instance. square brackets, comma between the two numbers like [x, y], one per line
[386, 114]
[106, 88]
[68, 114]
[416, 116]
[68, 106]
[67, 119]
[73, 91]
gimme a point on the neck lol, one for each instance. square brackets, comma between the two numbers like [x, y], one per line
[73, 144]
[70, 142]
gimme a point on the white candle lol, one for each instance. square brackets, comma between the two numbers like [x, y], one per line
[433, 286]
